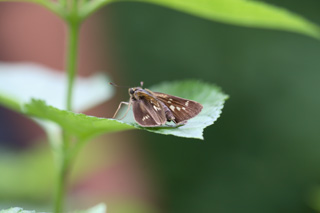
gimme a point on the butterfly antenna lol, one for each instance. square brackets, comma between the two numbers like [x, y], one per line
[113, 84]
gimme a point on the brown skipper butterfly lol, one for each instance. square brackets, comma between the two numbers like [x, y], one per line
[152, 109]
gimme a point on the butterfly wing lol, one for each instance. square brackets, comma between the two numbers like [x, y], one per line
[148, 112]
[182, 109]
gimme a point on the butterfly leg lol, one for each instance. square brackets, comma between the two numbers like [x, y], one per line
[126, 103]
[129, 104]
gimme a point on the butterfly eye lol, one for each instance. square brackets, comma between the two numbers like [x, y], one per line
[131, 91]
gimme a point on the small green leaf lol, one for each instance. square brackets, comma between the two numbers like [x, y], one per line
[210, 96]
[241, 12]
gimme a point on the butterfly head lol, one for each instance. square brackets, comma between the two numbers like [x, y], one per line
[136, 93]
[133, 92]
[134, 89]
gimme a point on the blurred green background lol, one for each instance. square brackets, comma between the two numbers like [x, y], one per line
[262, 155]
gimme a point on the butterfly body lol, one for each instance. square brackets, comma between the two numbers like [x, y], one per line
[152, 109]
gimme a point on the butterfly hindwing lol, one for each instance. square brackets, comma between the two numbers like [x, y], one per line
[148, 112]
[182, 109]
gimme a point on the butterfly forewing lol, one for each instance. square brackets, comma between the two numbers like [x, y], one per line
[148, 112]
[182, 109]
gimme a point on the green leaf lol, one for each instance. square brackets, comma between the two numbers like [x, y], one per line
[16, 210]
[85, 126]
[20, 82]
[241, 12]
[77, 124]
[209, 95]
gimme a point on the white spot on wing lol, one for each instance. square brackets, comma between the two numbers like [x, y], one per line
[172, 107]
[169, 102]
[187, 103]
[145, 117]
[183, 108]
[178, 108]
[156, 108]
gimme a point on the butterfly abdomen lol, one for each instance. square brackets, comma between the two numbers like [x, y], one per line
[168, 112]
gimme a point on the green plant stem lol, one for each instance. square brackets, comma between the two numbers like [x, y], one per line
[72, 45]
[61, 182]
[64, 157]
